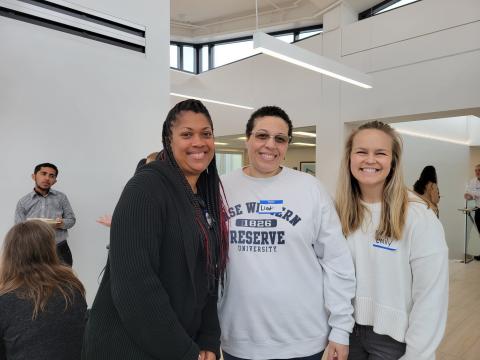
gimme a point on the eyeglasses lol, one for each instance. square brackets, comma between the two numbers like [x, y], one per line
[263, 136]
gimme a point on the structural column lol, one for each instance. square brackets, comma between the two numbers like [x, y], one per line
[330, 128]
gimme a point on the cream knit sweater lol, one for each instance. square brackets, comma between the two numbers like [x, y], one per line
[402, 286]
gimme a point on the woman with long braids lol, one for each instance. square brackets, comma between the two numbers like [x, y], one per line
[168, 250]
[399, 250]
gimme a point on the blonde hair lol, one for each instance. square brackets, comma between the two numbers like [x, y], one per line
[151, 157]
[395, 194]
[31, 269]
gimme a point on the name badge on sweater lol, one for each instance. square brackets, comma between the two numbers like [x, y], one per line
[384, 247]
[270, 206]
[384, 244]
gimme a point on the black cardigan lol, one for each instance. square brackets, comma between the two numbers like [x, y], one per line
[145, 307]
[56, 333]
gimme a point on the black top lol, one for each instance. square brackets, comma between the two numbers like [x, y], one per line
[55, 333]
[148, 306]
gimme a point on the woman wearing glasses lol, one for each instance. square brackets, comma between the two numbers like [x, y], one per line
[290, 277]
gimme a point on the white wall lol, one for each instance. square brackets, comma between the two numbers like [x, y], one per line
[452, 164]
[91, 108]
[297, 155]
[473, 126]
[423, 58]
[474, 159]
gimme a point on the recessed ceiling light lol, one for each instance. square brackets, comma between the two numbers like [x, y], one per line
[305, 134]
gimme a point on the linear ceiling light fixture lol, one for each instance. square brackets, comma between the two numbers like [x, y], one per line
[302, 144]
[431, 137]
[304, 134]
[293, 54]
[211, 101]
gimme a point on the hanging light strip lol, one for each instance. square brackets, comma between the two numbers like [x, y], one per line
[293, 54]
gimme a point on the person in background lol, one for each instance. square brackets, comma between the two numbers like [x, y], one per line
[290, 278]
[48, 205]
[168, 250]
[427, 187]
[106, 219]
[399, 250]
[42, 302]
[472, 192]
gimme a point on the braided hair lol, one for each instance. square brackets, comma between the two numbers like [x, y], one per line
[215, 243]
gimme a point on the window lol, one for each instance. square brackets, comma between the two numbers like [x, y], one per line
[396, 5]
[227, 162]
[205, 58]
[383, 7]
[307, 33]
[288, 38]
[230, 52]
[188, 59]
[197, 58]
[174, 56]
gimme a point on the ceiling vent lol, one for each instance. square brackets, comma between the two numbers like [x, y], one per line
[73, 19]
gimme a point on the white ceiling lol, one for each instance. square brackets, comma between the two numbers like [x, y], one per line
[459, 129]
[207, 20]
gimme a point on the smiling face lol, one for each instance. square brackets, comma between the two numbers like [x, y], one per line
[267, 146]
[370, 162]
[477, 171]
[192, 144]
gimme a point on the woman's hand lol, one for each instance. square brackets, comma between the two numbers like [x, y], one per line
[105, 220]
[336, 351]
[206, 355]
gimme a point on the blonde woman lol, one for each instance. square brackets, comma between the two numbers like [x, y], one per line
[42, 303]
[398, 248]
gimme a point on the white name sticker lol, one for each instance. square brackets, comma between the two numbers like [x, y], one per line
[270, 206]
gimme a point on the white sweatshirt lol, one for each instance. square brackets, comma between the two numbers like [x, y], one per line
[402, 286]
[290, 277]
